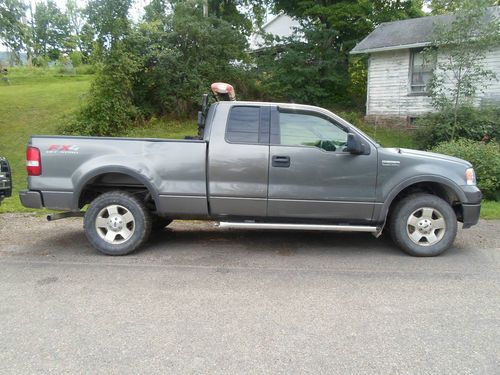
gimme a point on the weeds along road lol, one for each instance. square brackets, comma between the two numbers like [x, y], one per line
[202, 300]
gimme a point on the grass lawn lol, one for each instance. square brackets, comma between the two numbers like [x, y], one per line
[37, 101]
[33, 103]
[490, 210]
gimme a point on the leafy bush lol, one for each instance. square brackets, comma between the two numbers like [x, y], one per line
[76, 58]
[108, 108]
[472, 123]
[182, 54]
[86, 69]
[484, 157]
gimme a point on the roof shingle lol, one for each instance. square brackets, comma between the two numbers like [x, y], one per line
[411, 33]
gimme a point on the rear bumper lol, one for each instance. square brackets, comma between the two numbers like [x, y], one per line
[53, 200]
[31, 199]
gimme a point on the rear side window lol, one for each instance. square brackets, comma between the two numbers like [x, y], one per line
[243, 125]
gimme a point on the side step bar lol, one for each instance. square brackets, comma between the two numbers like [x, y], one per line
[323, 227]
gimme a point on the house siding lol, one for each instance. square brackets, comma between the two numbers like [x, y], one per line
[491, 93]
[388, 83]
[388, 98]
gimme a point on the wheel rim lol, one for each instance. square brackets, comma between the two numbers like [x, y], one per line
[115, 224]
[426, 226]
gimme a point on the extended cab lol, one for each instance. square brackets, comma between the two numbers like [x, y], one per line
[5, 179]
[256, 165]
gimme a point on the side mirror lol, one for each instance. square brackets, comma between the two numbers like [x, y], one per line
[354, 144]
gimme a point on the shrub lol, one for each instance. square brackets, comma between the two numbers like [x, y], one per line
[86, 69]
[108, 108]
[484, 157]
[472, 123]
[76, 58]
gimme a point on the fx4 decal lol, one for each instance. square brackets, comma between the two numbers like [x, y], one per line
[63, 149]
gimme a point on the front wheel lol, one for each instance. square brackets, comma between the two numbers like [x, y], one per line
[423, 225]
[117, 223]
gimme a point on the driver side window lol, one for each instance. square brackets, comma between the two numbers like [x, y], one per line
[298, 129]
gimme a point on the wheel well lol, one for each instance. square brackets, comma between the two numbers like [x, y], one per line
[115, 181]
[442, 191]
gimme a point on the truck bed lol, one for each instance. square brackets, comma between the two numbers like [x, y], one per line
[175, 170]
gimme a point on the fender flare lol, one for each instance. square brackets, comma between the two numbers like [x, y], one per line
[114, 169]
[415, 180]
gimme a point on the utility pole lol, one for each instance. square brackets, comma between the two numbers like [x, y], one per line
[205, 8]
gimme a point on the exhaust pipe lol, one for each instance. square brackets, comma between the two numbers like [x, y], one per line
[64, 215]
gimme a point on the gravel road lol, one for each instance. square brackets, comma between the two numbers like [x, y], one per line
[203, 300]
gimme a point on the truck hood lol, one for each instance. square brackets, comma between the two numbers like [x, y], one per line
[431, 156]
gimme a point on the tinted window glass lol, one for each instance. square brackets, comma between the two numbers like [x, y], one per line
[243, 125]
[298, 129]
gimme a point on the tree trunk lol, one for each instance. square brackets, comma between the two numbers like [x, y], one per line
[455, 109]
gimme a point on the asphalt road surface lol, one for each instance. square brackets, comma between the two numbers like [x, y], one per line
[203, 300]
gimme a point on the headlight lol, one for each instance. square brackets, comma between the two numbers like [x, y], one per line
[470, 176]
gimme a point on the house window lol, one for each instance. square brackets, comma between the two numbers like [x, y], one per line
[421, 69]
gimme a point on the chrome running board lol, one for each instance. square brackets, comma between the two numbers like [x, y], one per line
[324, 227]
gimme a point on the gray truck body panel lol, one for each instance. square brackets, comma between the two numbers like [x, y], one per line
[215, 178]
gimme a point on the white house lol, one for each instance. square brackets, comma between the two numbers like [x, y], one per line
[281, 26]
[397, 75]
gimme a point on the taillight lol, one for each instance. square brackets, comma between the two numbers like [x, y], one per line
[33, 161]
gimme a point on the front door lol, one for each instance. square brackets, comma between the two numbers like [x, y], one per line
[310, 174]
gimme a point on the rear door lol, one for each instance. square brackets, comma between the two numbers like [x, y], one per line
[238, 161]
[310, 174]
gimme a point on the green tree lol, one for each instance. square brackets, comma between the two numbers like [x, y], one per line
[13, 31]
[51, 31]
[314, 67]
[156, 10]
[109, 18]
[448, 6]
[76, 21]
[160, 66]
[182, 55]
[459, 48]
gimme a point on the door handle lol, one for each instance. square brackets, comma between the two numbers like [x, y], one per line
[281, 161]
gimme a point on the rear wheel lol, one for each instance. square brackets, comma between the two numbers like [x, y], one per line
[117, 223]
[423, 225]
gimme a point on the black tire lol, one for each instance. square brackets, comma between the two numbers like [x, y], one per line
[427, 217]
[130, 225]
[158, 222]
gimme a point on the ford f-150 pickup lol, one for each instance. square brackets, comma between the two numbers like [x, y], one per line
[256, 165]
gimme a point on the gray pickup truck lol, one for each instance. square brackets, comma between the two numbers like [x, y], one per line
[5, 179]
[255, 165]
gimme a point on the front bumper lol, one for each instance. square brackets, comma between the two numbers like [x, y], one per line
[31, 199]
[471, 210]
[470, 214]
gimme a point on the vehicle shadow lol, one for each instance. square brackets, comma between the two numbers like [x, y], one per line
[284, 243]
[205, 240]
